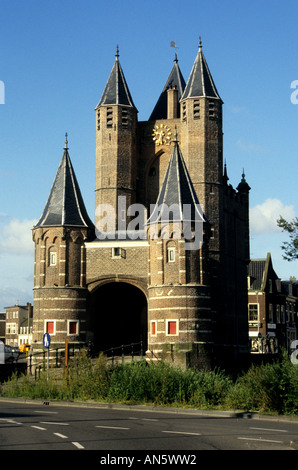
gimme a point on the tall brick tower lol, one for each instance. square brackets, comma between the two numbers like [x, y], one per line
[179, 309]
[201, 136]
[60, 265]
[116, 154]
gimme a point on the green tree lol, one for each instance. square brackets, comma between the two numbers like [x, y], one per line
[290, 248]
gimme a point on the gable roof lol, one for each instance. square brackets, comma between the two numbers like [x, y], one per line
[175, 79]
[260, 271]
[200, 82]
[65, 205]
[116, 91]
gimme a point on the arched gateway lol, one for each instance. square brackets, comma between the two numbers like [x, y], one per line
[118, 315]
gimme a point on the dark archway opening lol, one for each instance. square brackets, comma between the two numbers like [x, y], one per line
[119, 316]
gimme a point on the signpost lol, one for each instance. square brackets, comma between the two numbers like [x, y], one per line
[46, 340]
[2, 353]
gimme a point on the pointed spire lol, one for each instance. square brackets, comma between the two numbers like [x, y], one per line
[116, 91]
[66, 142]
[243, 186]
[65, 206]
[177, 192]
[225, 175]
[200, 82]
[175, 79]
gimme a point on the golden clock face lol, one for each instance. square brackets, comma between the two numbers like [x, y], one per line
[162, 134]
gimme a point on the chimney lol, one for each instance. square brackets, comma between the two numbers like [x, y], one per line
[172, 95]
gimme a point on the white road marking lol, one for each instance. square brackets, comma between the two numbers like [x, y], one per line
[267, 429]
[52, 422]
[182, 432]
[60, 435]
[10, 421]
[111, 427]
[46, 412]
[39, 427]
[78, 445]
[259, 440]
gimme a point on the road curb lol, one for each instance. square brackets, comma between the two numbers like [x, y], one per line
[239, 414]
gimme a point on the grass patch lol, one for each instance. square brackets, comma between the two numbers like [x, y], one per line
[269, 388]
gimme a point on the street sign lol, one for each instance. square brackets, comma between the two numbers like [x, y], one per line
[46, 340]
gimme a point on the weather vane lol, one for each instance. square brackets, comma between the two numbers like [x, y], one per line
[173, 44]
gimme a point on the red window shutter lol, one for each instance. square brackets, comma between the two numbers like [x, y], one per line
[50, 327]
[172, 327]
[153, 328]
[73, 328]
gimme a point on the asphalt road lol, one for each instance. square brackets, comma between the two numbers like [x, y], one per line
[38, 426]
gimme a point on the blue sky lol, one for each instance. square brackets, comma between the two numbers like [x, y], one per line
[56, 57]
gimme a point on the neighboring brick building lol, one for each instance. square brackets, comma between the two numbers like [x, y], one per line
[18, 324]
[115, 288]
[2, 326]
[272, 308]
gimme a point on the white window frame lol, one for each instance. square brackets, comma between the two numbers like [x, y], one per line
[53, 258]
[151, 323]
[177, 327]
[258, 312]
[49, 320]
[114, 255]
[68, 327]
[171, 254]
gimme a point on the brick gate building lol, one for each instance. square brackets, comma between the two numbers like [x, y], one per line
[120, 280]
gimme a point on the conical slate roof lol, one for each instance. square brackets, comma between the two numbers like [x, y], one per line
[175, 80]
[116, 91]
[65, 205]
[177, 192]
[200, 82]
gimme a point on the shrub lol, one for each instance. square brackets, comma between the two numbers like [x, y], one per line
[269, 388]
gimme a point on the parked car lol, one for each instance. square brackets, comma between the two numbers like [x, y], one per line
[11, 353]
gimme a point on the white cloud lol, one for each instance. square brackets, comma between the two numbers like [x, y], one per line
[263, 217]
[16, 237]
